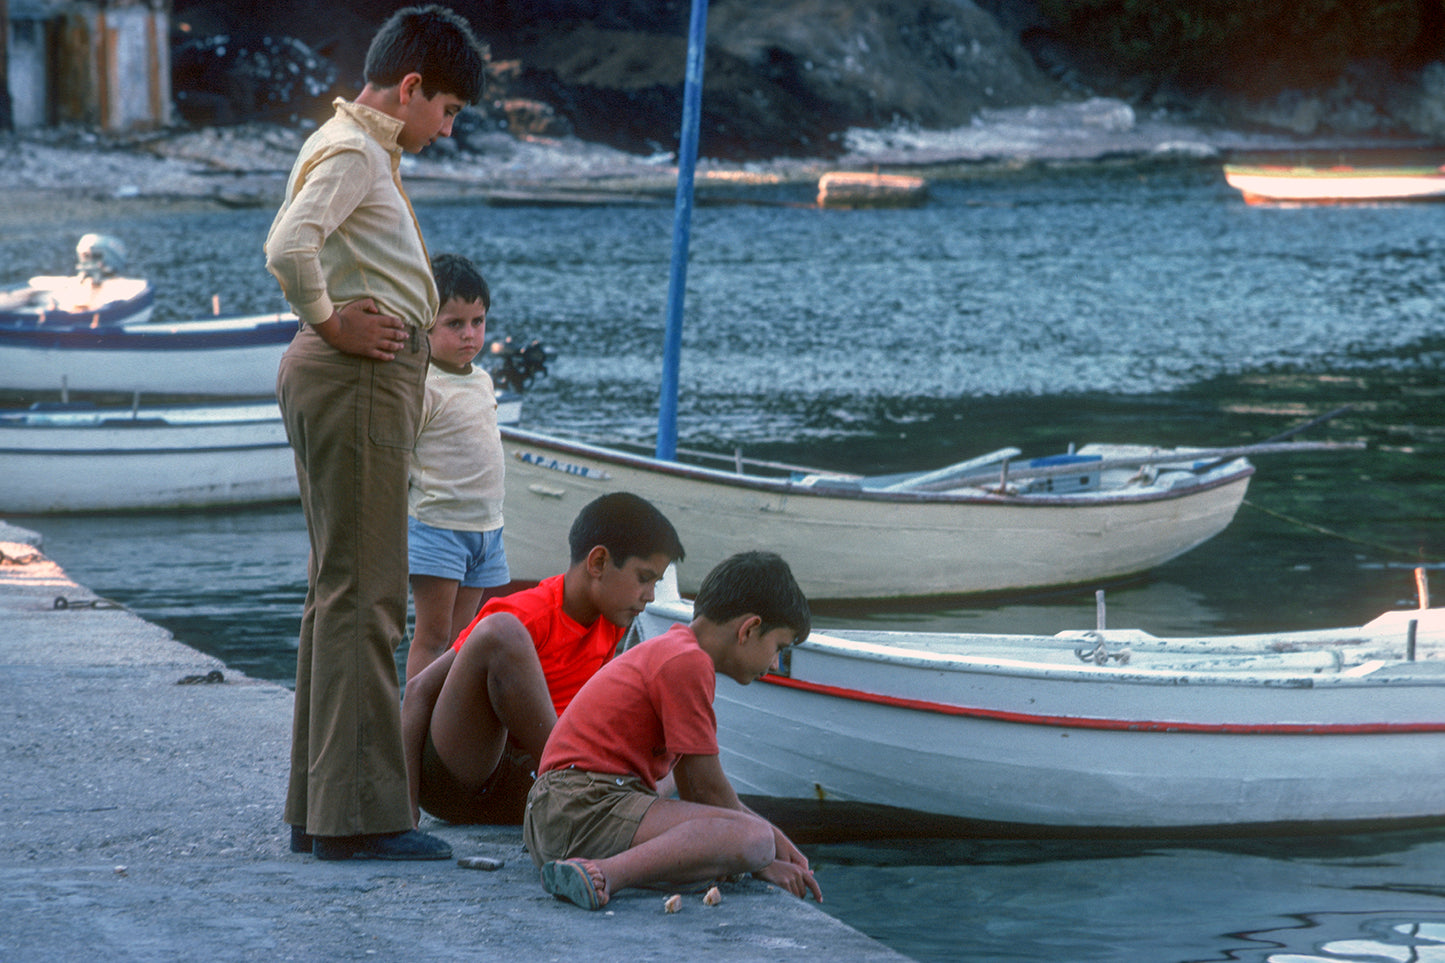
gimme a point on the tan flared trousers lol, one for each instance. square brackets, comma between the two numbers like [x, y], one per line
[352, 424]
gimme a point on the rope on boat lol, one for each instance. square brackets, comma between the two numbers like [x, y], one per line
[1378, 546]
[1100, 654]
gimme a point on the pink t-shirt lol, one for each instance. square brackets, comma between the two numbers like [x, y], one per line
[569, 651]
[640, 712]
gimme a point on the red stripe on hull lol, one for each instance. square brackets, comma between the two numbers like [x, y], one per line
[1120, 725]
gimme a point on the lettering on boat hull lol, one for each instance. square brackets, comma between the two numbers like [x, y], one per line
[565, 467]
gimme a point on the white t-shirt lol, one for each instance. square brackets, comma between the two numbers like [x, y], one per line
[457, 465]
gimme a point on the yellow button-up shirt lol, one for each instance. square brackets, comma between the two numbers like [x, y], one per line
[346, 230]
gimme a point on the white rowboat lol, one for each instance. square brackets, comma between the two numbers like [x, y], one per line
[1268, 184]
[1111, 731]
[109, 459]
[950, 532]
[156, 458]
[219, 357]
[77, 301]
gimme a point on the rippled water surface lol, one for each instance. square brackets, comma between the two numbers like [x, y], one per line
[1132, 305]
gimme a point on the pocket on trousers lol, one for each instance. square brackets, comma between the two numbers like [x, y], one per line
[394, 413]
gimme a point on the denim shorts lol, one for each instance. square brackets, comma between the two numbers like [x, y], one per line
[472, 559]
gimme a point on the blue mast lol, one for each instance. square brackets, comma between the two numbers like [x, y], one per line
[681, 231]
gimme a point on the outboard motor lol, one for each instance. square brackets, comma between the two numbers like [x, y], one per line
[99, 256]
[517, 365]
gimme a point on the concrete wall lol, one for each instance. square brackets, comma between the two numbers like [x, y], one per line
[27, 68]
[101, 64]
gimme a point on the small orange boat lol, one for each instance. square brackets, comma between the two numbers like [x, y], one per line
[860, 189]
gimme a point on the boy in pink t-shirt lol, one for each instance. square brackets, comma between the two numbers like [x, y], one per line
[594, 821]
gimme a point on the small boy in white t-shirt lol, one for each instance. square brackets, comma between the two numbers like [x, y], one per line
[454, 497]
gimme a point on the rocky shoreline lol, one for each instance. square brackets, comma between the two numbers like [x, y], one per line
[246, 166]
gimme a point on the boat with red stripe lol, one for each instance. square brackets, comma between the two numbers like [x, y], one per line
[1098, 731]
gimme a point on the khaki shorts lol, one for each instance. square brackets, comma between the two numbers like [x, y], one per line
[593, 815]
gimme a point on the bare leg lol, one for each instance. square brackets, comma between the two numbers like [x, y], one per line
[435, 600]
[684, 842]
[489, 593]
[495, 686]
[422, 692]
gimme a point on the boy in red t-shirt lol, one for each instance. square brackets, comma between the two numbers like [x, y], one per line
[474, 720]
[595, 823]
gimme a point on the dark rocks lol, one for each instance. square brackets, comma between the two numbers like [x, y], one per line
[225, 79]
[783, 78]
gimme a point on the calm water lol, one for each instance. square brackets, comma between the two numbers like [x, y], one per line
[1036, 310]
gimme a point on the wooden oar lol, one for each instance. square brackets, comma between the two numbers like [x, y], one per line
[1214, 458]
[1291, 432]
[1162, 456]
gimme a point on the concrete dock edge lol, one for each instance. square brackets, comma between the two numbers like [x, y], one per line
[140, 814]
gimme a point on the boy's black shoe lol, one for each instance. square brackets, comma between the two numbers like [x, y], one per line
[407, 845]
[301, 840]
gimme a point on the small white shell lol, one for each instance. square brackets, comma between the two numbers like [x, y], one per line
[712, 897]
[672, 904]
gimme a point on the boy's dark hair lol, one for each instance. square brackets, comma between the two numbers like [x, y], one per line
[755, 583]
[627, 526]
[457, 277]
[431, 41]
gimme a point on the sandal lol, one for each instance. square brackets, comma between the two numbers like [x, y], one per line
[568, 879]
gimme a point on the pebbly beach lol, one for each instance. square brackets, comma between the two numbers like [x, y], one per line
[70, 171]
[141, 819]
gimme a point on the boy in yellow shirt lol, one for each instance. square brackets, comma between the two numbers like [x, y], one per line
[348, 253]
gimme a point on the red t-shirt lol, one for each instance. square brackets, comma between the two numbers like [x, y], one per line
[569, 651]
[640, 712]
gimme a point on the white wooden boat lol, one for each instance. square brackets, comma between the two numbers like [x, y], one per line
[72, 458]
[62, 301]
[1102, 512]
[233, 356]
[1280, 183]
[94, 296]
[1108, 731]
[115, 459]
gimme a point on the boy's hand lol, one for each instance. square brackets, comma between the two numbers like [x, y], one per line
[361, 329]
[792, 877]
[791, 869]
[786, 851]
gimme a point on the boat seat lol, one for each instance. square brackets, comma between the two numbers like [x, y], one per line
[908, 480]
[844, 483]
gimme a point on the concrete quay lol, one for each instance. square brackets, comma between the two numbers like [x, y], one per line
[140, 819]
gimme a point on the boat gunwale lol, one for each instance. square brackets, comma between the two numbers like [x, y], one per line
[262, 331]
[146, 452]
[1301, 677]
[784, 486]
[821, 641]
[1109, 723]
[71, 422]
